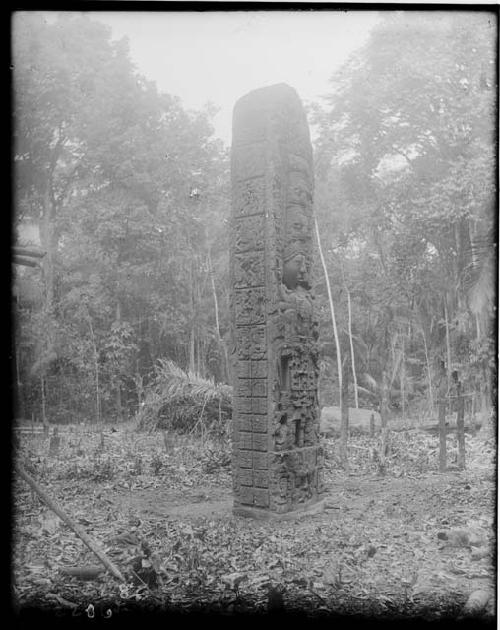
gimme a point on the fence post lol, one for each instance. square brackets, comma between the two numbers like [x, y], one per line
[460, 430]
[442, 435]
[372, 425]
[54, 442]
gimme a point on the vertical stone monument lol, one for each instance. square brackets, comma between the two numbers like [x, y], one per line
[277, 459]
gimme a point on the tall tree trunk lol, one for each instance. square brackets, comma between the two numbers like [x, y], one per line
[460, 427]
[139, 386]
[448, 346]
[191, 367]
[19, 386]
[214, 294]
[384, 414]
[344, 417]
[442, 434]
[118, 386]
[478, 326]
[47, 240]
[118, 400]
[96, 372]
[192, 337]
[220, 341]
[332, 310]
[403, 377]
[42, 390]
[200, 365]
[354, 376]
[429, 376]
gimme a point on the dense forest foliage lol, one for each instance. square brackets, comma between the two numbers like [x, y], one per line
[405, 189]
[129, 194]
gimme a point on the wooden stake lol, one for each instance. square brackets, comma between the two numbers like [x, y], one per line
[91, 544]
[54, 443]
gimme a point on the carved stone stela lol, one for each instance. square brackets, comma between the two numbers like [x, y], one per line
[277, 459]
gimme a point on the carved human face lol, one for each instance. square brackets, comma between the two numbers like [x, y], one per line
[295, 272]
[297, 223]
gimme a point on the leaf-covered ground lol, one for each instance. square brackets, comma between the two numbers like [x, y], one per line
[400, 542]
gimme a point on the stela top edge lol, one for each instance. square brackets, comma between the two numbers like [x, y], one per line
[267, 96]
[262, 104]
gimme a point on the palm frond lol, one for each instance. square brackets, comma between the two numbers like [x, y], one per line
[181, 399]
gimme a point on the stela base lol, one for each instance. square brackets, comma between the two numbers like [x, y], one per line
[311, 507]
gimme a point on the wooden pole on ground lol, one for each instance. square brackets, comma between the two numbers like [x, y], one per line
[91, 544]
[442, 435]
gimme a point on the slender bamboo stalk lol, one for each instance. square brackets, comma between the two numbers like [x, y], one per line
[354, 376]
[332, 310]
[344, 420]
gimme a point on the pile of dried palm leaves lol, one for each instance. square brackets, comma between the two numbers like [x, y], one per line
[185, 402]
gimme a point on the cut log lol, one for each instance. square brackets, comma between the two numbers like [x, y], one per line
[28, 251]
[25, 262]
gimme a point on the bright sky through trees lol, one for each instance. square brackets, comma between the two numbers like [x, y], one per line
[219, 56]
